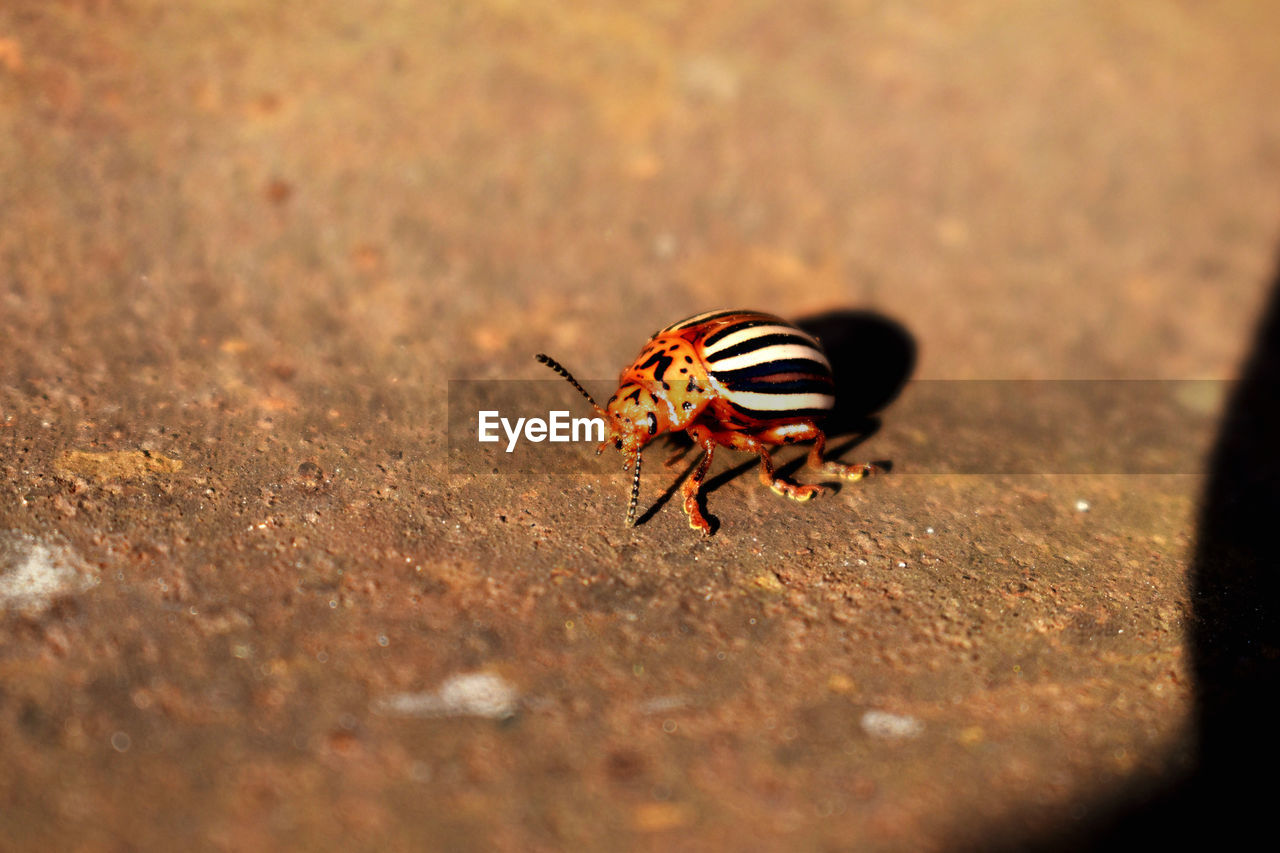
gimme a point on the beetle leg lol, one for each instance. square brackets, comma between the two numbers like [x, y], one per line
[780, 485]
[701, 436]
[850, 471]
[792, 433]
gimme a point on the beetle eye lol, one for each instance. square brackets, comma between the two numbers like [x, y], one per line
[653, 424]
[618, 443]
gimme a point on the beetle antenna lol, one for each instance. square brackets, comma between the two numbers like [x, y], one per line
[558, 368]
[635, 494]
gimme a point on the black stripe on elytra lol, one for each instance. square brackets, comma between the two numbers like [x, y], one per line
[662, 360]
[737, 327]
[809, 366]
[760, 343]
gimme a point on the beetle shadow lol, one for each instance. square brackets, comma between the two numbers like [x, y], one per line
[872, 357]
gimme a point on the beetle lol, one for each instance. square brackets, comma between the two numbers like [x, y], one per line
[745, 380]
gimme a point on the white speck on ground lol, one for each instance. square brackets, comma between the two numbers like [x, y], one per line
[886, 725]
[34, 573]
[1082, 506]
[475, 694]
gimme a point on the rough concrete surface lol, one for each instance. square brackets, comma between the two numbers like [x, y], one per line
[247, 603]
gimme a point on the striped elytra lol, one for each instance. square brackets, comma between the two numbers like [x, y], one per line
[739, 379]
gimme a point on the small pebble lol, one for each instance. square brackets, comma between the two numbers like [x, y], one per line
[882, 724]
[475, 694]
[33, 573]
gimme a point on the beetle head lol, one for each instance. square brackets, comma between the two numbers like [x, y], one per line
[634, 418]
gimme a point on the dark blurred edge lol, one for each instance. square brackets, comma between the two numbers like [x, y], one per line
[1228, 798]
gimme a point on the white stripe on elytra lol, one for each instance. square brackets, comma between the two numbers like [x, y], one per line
[743, 335]
[764, 355]
[779, 402]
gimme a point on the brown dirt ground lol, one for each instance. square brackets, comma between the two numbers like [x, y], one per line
[243, 247]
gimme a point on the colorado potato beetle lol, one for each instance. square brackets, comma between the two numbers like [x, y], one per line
[739, 379]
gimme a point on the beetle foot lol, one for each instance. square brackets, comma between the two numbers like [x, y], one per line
[854, 472]
[697, 520]
[795, 491]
